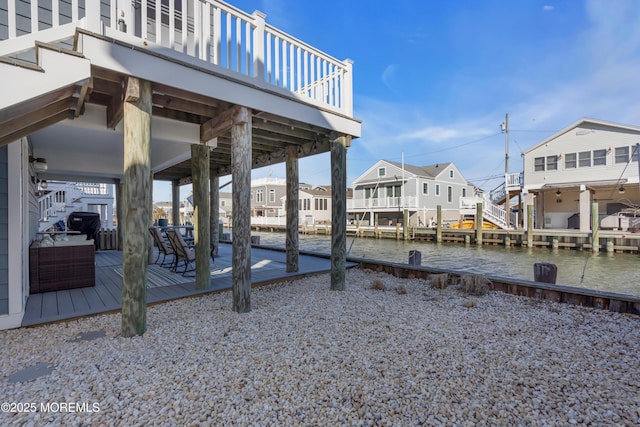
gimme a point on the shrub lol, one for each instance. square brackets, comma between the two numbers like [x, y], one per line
[377, 284]
[401, 289]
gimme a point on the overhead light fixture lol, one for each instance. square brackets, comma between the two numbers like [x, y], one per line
[39, 163]
[558, 193]
[621, 190]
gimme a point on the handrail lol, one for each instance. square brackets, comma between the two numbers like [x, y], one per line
[209, 30]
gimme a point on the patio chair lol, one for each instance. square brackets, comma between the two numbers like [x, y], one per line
[164, 247]
[182, 251]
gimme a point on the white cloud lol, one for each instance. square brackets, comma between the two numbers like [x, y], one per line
[388, 76]
[547, 8]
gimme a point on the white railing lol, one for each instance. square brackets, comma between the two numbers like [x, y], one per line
[385, 202]
[268, 220]
[90, 189]
[490, 211]
[57, 199]
[209, 30]
[513, 181]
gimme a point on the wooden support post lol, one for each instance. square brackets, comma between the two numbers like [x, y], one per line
[150, 257]
[405, 224]
[201, 213]
[439, 224]
[292, 245]
[175, 203]
[339, 212]
[529, 226]
[214, 206]
[119, 213]
[595, 228]
[479, 224]
[241, 176]
[136, 206]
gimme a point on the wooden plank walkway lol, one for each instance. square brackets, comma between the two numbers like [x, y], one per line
[268, 266]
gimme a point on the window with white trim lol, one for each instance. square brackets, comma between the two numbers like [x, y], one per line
[570, 161]
[584, 159]
[437, 189]
[622, 155]
[538, 164]
[425, 188]
[599, 157]
[449, 194]
[382, 171]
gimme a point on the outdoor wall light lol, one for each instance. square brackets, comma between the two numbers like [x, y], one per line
[558, 193]
[621, 190]
[39, 163]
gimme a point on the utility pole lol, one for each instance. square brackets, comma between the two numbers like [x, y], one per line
[504, 127]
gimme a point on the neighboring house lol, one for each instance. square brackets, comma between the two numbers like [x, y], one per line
[266, 195]
[224, 205]
[588, 161]
[314, 205]
[57, 199]
[385, 190]
[269, 201]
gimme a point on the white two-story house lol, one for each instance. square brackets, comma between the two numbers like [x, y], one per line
[386, 189]
[588, 161]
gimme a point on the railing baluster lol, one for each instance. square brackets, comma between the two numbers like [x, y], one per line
[197, 31]
[158, 35]
[276, 48]
[217, 36]
[74, 10]
[228, 32]
[285, 64]
[238, 45]
[144, 19]
[292, 68]
[247, 51]
[206, 32]
[184, 20]
[172, 25]
[34, 16]
[268, 57]
[55, 13]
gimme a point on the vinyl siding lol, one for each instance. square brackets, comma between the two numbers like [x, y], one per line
[4, 241]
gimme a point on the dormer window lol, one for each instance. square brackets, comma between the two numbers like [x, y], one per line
[382, 171]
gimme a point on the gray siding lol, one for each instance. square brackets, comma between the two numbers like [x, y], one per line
[4, 231]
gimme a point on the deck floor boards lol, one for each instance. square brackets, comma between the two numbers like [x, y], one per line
[267, 266]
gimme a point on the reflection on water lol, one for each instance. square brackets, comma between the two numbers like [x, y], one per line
[603, 271]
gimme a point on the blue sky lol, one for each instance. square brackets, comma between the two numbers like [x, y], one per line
[434, 79]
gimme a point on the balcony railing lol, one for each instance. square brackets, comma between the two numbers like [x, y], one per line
[385, 203]
[209, 30]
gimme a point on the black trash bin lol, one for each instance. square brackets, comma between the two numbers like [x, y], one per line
[86, 223]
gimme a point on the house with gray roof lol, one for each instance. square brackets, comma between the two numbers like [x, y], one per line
[386, 189]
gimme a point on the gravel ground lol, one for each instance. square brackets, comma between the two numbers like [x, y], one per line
[408, 355]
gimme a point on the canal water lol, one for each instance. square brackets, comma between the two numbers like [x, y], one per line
[603, 271]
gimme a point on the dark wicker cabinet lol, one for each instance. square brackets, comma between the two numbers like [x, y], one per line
[63, 267]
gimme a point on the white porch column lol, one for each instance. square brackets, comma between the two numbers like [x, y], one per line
[585, 208]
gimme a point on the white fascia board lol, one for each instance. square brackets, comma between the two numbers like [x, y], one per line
[59, 70]
[209, 80]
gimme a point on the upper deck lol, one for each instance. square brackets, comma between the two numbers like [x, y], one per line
[64, 63]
